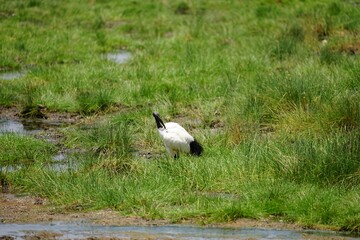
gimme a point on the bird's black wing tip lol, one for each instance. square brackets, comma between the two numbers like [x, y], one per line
[196, 148]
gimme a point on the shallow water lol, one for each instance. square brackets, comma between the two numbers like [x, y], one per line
[58, 166]
[120, 57]
[83, 230]
[61, 161]
[11, 75]
[22, 128]
[13, 126]
[26, 126]
[8, 126]
[60, 157]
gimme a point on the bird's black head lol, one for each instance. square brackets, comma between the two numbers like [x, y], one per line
[159, 122]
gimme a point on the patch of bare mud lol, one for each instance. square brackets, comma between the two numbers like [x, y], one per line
[29, 209]
[350, 49]
[50, 116]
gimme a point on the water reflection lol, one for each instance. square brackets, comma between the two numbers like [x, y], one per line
[11, 75]
[59, 157]
[25, 126]
[59, 162]
[10, 168]
[11, 126]
[81, 231]
[62, 163]
[120, 57]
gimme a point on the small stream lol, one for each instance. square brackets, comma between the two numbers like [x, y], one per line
[60, 230]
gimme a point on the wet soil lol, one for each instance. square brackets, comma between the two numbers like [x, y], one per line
[17, 209]
[51, 116]
[30, 209]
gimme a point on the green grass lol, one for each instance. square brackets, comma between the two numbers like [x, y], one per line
[275, 106]
[23, 149]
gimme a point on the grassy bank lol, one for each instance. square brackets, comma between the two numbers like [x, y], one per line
[271, 89]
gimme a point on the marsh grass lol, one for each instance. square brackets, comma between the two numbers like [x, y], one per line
[289, 41]
[105, 139]
[275, 106]
[95, 101]
[24, 149]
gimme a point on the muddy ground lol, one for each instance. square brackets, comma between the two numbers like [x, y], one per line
[28, 209]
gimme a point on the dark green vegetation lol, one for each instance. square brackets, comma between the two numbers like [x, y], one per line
[271, 89]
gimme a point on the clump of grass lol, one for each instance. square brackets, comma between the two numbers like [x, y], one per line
[329, 56]
[296, 32]
[334, 9]
[288, 41]
[276, 97]
[347, 112]
[7, 98]
[30, 109]
[117, 166]
[352, 25]
[108, 140]
[330, 161]
[182, 8]
[95, 101]
[17, 149]
[266, 11]
[284, 48]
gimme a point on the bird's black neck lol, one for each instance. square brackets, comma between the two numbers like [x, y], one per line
[159, 122]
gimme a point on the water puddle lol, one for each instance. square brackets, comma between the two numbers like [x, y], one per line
[13, 126]
[26, 127]
[11, 75]
[59, 157]
[10, 168]
[120, 57]
[59, 165]
[60, 162]
[62, 230]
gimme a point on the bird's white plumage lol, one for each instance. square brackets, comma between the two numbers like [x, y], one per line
[175, 138]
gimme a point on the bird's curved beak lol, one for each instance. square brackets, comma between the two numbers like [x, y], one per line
[159, 122]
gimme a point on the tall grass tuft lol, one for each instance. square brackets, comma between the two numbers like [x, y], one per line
[306, 159]
[345, 112]
[107, 140]
[95, 101]
[288, 41]
[17, 149]
[329, 56]
[30, 106]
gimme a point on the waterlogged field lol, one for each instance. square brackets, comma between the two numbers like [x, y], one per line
[270, 88]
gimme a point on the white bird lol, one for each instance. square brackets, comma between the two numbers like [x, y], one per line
[176, 138]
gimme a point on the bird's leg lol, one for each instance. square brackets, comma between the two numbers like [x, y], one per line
[176, 156]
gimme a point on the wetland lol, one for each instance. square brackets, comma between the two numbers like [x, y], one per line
[271, 90]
